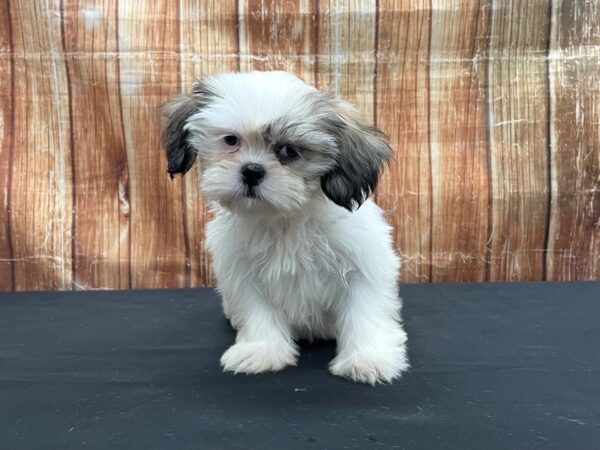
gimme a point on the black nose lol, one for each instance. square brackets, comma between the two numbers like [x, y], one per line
[252, 174]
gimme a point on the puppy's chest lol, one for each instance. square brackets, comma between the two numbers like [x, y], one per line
[296, 264]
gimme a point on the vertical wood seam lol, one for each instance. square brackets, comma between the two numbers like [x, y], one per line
[72, 149]
[430, 147]
[489, 147]
[489, 203]
[316, 18]
[11, 147]
[375, 77]
[376, 62]
[549, 148]
[120, 100]
[238, 26]
[474, 55]
[187, 262]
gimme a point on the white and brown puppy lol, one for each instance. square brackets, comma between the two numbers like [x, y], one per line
[287, 168]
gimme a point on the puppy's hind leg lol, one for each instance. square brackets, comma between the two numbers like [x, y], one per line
[263, 342]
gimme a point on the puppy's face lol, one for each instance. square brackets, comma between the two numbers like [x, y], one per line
[269, 142]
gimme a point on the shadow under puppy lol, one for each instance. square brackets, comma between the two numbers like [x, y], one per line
[287, 168]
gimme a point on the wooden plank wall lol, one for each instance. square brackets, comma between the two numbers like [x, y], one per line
[492, 107]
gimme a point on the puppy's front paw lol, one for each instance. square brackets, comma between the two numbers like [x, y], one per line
[369, 366]
[257, 357]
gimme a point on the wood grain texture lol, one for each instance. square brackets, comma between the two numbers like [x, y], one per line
[346, 51]
[518, 132]
[278, 35]
[101, 228]
[148, 42]
[458, 139]
[574, 70]
[40, 201]
[491, 107]
[403, 114]
[7, 117]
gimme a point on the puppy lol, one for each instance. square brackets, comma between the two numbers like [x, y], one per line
[299, 251]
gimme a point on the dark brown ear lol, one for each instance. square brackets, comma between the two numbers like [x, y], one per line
[180, 153]
[363, 150]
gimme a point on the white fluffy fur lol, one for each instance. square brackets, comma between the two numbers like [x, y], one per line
[320, 273]
[292, 264]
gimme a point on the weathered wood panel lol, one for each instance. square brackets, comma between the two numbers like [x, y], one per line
[40, 193]
[458, 139]
[148, 40]
[7, 118]
[278, 35]
[403, 113]
[518, 126]
[491, 107]
[101, 228]
[574, 67]
[346, 51]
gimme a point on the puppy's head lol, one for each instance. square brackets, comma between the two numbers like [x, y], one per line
[268, 141]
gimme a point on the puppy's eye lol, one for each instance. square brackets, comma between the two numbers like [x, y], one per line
[287, 153]
[231, 140]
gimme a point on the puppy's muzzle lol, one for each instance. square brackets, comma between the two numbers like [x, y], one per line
[252, 174]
